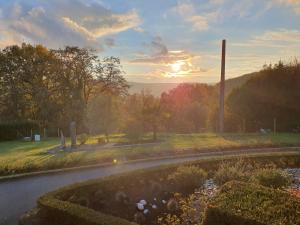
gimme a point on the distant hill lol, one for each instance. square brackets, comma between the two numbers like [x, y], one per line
[233, 83]
[158, 88]
[155, 88]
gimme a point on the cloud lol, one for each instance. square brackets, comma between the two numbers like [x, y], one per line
[199, 22]
[280, 38]
[285, 35]
[76, 22]
[164, 60]
[160, 54]
[187, 11]
[294, 4]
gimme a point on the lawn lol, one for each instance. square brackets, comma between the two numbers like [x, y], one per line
[19, 157]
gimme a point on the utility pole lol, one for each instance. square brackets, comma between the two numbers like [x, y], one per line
[222, 89]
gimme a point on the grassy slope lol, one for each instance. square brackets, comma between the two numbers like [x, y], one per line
[17, 156]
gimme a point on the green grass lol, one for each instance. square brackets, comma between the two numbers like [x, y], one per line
[19, 157]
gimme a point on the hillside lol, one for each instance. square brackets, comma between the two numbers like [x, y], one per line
[154, 88]
[233, 83]
[158, 88]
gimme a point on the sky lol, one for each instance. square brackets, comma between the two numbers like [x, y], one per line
[166, 41]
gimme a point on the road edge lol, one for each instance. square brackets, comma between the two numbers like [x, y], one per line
[285, 150]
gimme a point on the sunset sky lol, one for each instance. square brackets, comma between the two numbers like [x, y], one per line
[162, 41]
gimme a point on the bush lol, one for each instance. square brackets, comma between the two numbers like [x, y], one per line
[186, 178]
[134, 131]
[228, 171]
[274, 178]
[17, 129]
[101, 140]
[240, 203]
[189, 210]
[82, 138]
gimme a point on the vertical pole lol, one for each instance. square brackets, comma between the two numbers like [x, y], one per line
[274, 125]
[222, 89]
[73, 134]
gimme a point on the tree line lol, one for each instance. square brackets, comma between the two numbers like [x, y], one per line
[54, 87]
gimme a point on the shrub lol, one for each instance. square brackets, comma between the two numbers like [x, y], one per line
[240, 203]
[101, 140]
[186, 178]
[190, 210]
[82, 138]
[274, 178]
[134, 131]
[16, 129]
[228, 171]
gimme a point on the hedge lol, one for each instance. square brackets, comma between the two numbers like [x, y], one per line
[57, 209]
[16, 129]
[240, 203]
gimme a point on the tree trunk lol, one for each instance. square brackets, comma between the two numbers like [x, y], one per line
[154, 133]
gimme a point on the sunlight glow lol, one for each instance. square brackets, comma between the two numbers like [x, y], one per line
[176, 66]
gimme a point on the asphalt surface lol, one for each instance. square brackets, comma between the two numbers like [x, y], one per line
[19, 195]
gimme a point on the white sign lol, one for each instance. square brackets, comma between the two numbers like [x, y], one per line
[37, 137]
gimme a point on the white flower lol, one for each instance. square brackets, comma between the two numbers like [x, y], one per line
[140, 206]
[143, 202]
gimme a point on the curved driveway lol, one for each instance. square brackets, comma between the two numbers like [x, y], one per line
[20, 195]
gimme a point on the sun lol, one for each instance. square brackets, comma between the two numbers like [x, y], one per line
[176, 67]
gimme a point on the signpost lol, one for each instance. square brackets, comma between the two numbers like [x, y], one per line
[222, 89]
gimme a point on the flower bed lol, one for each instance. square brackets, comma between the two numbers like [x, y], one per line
[113, 200]
[240, 203]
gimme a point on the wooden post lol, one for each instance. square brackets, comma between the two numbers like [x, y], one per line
[244, 126]
[73, 134]
[31, 135]
[274, 125]
[62, 140]
[222, 89]
[45, 133]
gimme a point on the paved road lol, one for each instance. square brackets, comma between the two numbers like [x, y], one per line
[20, 195]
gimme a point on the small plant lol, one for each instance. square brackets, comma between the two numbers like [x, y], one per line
[172, 205]
[155, 187]
[82, 138]
[101, 140]
[121, 197]
[186, 178]
[139, 218]
[270, 177]
[228, 171]
[189, 210]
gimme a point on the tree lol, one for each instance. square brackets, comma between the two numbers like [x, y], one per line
[272, 93]
[151, 112]
[142, 113]
[103, 114]
[186, 107]
[53, 87]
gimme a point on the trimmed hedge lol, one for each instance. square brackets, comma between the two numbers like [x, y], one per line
[240, 203]
[63, 212]
[57, 209]
[16, 129]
